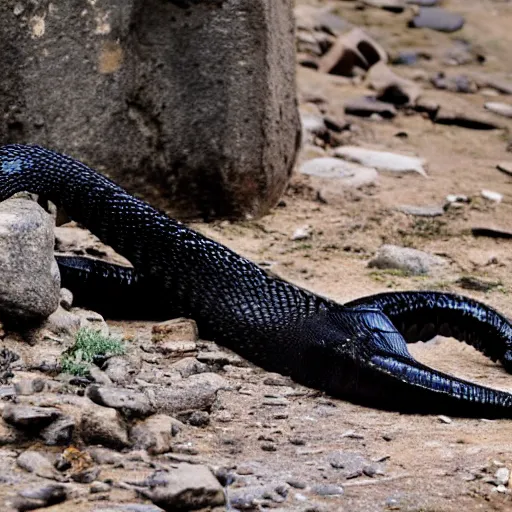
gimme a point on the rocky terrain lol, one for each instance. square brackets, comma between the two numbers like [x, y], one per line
[403, 182]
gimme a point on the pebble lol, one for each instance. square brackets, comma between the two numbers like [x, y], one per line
[396, 6]
[381, 160]
[503, 109]
[502, 476]
[445, 419]
[437, 18]
[409, 260]
[199, 419]
[185, 487]
[366, 106]
[296, 484]
[490, 195]
[328, 490]
[60, 432]
[505, 167]
[422, 211]
[302, 233]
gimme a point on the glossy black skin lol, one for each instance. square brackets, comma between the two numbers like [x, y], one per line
[357, 351]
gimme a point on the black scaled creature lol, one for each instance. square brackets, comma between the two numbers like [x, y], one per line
[356, 351]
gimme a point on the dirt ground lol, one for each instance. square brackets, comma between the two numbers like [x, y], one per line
[275, 433]
[429, 465]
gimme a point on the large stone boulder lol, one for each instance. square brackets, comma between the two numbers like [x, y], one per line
[189, 103]
[29, 275]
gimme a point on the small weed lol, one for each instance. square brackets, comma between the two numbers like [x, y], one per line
[90, 347]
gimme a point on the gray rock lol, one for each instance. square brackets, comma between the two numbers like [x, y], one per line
[339, 174]
[503, 109]
[437, 18]
[406, 259]
[465, 117]
[99, 376]
[29, 417]
[102, 455]
[189, 366]
[366, 106]
[423, 3]
[102, 425]
[328, 490]
[30, 284]
[33, 498]
[502, 476]
[422, 211]
[128, 402]
[121, 370]
[382, 160]
[199, 419]
[198, 392]
[155, 433]
[313, 126]
[60, 432]
[204, 122]
[491, 195]
[35, 462]
[99, 487]
[186, 487]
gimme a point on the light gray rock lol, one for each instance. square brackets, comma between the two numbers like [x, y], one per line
[129, 402]
[197, 392]
[102, 425]
[155, 434]
[204, 123]
[505, 167]
[60, 432]
[339, 173]
[30, 279]
[382, 160]
[437, 18]
[406, 259]
[29, 417]
[422, 211]
[503, 109]
[37, 463]
[186, 487]
[390, 87]
[33, 498]
[366, 106]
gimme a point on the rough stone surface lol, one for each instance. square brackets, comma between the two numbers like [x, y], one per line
[437, 18]
[188, 487]
[406, 259]
[155, 433]
[101, 425]
[30, 284]
[191, 104]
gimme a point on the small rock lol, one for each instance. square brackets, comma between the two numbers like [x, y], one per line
[27, 387]
[467, 117]
[422, 211]
[189, 366]
[66, 298]
[30, 284]
[437, 18]
[268, 447]
[128, 402]
[445, 419]
[302, 233]
[328, 490]
[406, 259]
[99, 376]
[340, 174]
[313, 126]
[120, 370]
[490, 195]
[381, 160]
[197, 392]
[178, 329]
[366, 106]
[29, 417]
[296, 484]
[33, 498]
[86, 476]
[456, 198]
[350, 50]
[502, 476]
[186, 487]
[35, 462]
[505, 167]
[60, 432]
[199, 419]
[503, 109]
[155, 434]
[102, 425]
[99, 487]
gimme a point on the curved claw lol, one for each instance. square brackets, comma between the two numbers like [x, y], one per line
[420, 316]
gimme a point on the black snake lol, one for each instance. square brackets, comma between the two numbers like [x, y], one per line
[356, 351]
